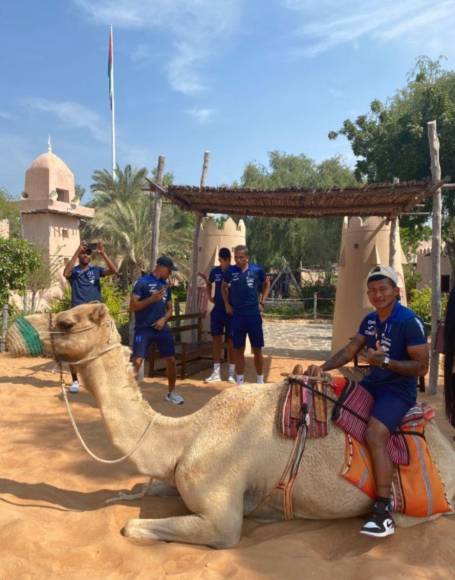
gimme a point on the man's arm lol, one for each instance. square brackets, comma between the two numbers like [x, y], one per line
[341, 357]
[225, 295]
[265, 290]
[416, 367]
[111, 267]
[161, 322]
[136, 303]
[72, 263]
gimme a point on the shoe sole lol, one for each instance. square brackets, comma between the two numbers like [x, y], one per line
[378, 534]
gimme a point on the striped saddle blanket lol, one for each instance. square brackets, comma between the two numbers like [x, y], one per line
[353, 411]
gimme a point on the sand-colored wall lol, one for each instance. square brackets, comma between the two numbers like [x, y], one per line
[423, 268]
[47, 174]
[4, 229]
[212, 238]
[364, 244]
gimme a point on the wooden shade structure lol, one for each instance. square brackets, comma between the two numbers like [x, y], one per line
[385, 199]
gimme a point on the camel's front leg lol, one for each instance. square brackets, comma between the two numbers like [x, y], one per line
[220, 529]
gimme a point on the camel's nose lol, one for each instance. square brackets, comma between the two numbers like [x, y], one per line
[23, 339]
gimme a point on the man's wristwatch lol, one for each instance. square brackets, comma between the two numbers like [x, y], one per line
[385, 362]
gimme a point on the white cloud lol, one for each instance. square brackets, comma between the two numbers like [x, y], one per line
[201, 116]
[329, 23]
[6, 116]
[196, 27]
[72, 115]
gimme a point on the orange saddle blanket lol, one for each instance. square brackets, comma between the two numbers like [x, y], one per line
[417, 488]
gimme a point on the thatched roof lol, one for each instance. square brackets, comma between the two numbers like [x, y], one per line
[383, 199]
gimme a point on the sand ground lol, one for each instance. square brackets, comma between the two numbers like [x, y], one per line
[54, 524]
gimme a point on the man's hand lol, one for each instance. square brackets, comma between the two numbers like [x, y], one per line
[229, 309]
[157, 296]
[82, 248]
[100, 248]
[160, 323]
[313, 371]
[375, 357]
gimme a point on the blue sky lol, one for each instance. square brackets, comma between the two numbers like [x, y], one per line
[239, 78]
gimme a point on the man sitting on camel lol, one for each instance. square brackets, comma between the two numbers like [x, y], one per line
[397, 351]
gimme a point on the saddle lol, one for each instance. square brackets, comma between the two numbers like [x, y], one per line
[417, 488]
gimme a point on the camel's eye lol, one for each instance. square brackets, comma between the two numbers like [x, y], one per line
[65, 324]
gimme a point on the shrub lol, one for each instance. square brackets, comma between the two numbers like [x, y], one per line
[421, 303]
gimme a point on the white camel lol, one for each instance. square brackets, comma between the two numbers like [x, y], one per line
[225, 458]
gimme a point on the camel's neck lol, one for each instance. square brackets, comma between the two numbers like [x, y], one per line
[127, 415]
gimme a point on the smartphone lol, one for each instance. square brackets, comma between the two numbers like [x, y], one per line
[92, 246]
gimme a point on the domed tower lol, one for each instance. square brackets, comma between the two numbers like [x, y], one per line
[50, 211]
[364, 244]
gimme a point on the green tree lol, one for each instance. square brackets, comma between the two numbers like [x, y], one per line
[390, 140]
[17, 259]
[312, 242]
[123, 221]
[9, 209]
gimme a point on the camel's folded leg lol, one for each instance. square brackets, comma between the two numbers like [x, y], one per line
[220, 532]
[151, 487]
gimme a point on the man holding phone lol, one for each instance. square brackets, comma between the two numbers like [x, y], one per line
[152, 304]
[85, 281]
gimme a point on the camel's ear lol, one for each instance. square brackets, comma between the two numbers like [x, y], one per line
[98, 313]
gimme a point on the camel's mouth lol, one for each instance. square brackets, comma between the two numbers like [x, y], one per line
[24, 339]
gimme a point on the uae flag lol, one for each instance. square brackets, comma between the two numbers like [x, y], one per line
[110, 68]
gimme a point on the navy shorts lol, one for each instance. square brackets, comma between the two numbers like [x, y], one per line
[145, 337]
[389, 407]
[220, 323]
[243, 324]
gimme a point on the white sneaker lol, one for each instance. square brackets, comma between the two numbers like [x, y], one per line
[232, 380]
[74, 387]
[174, 398]
[213, 378]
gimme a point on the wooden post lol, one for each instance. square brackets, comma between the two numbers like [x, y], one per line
[315, 305]
[393, 245]
[155, 209]
[4, 327]
[435, 254]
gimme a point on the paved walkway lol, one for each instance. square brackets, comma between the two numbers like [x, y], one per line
[298, 339]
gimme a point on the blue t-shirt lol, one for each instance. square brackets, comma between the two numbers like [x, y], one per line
[145, 287]
[244, 288]
[216, 276]
[403, 328]
[85, 284]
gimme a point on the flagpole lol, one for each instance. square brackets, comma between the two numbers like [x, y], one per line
[114, 160]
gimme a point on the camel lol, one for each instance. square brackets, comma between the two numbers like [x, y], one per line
[224, 459]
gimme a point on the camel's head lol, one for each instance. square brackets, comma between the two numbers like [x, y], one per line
[70, 336]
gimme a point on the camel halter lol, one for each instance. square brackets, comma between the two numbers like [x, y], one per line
[65, 396]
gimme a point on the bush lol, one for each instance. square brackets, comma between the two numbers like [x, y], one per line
[421, 303]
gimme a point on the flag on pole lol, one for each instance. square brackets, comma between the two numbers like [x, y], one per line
[110, 68]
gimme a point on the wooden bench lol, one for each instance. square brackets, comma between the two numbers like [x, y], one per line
[185, 352]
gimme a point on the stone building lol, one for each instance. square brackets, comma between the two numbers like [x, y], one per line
[50, 212]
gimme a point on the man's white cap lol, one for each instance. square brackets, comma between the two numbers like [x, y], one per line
[385, 271]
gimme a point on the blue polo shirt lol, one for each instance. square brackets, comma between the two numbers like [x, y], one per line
[244, 288]
[403, 328]
[216, 277]
[143, 288]
[85, 284]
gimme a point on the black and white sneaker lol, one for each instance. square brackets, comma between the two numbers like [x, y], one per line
[380, 523]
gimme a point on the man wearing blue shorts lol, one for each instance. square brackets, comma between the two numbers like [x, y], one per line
[397, 351]
[220, 320]
[152, 304]
[245, 290]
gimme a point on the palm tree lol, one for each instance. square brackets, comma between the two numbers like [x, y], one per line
[125, 185]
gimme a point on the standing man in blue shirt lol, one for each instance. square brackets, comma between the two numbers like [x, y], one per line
[220, 320]
[245, 290]
[85, 282]
[397, 351]
[152, 304]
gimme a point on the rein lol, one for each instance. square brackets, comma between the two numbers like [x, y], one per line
[65, 396]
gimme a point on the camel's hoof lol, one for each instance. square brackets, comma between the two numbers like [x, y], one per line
[297, 370]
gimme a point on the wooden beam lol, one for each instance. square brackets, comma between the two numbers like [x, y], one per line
[393, 246]
[155, 209]
[435, 253]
